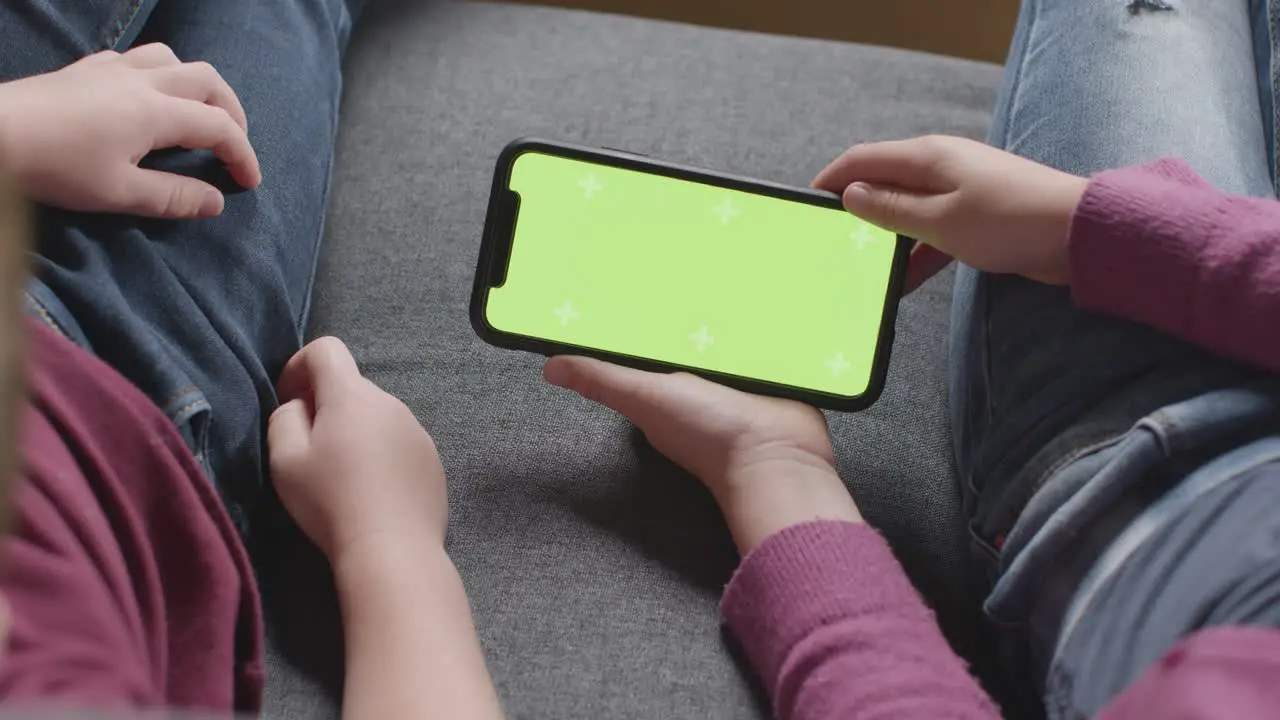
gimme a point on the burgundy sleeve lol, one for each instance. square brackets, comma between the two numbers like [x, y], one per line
[835, 630]
[1227, 672]
[1158, 245]
[125, 583]
[76, 631]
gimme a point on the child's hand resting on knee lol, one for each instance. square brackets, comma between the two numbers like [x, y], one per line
[767, 462]
[962, 199]
[73, 138]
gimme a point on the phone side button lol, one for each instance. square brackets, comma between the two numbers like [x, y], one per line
[625, 152]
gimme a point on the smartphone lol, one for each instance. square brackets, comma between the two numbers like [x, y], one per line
[766, 288]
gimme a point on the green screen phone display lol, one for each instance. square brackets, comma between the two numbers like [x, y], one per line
[693, 275]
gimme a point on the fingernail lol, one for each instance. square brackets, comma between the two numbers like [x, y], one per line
[211, 204]
[859, 189]
[555, 373]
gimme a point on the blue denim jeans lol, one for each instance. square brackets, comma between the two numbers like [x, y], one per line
[201, 315]
[1072, 428]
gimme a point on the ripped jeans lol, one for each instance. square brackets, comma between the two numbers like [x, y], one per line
[200, 315]
[1077, 434]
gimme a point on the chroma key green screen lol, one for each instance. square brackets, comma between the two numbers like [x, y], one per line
[693, 275]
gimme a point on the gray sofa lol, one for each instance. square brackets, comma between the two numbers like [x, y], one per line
[593, 566]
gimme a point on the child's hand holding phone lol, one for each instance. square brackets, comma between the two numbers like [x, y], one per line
[961, 199]
[767, 461]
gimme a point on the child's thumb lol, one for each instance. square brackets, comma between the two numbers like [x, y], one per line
[897, 210]
[289, 433]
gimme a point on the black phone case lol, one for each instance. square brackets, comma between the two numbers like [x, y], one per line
[499, 230]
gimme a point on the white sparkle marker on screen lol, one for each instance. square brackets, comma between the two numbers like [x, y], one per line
[566, 313]
[702, 339]
[726, 210]
[590, 186]
[838, 365]
[861, 237]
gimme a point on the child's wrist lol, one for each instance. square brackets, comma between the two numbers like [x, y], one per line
[374, 555]
[764, 500]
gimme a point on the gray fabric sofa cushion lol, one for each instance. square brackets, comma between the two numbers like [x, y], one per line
[593, 566]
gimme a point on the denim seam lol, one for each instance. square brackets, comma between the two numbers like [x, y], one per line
[1043, 479]
[1015, 90]
[304, 316]
[179, 393]
[122, 23]
[1275, 90]
[300, 322]
[1029, 490]
[988, 410]
[987, 549]
[1076, 455]
[183, 410]
[1025, 440]
[44, 315]
[1164, 427]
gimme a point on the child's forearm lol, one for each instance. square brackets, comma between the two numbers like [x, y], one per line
[1157, 244]
[834, 628]
[411, 645]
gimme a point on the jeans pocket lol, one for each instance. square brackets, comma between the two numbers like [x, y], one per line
[40, 303]
[191, 413]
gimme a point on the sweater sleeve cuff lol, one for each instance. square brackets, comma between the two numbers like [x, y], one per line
[807, 576]
[1123, 234]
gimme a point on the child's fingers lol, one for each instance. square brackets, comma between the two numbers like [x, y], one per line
[634, 393]
[318, 371]
[152, 193]
[151, 55]
[199, 81]
[196, 126]
[914, 164]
